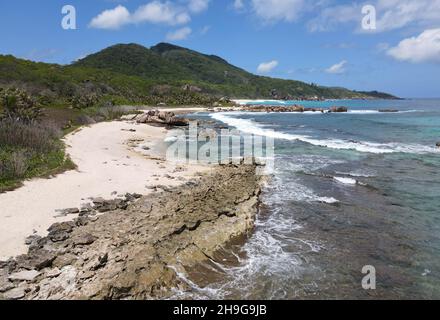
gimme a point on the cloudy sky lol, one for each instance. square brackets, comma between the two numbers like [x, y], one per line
[330, 42]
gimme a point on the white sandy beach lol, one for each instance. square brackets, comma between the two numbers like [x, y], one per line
[107, 163]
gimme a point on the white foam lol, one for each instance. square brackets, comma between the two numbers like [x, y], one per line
[345, 180]
[329, 200]
[251, 127]
[357, 174]
[170, 139]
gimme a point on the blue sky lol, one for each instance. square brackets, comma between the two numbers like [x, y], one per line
[314, 41]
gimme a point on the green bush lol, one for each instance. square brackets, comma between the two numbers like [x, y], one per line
[29, 149]
[17, 105]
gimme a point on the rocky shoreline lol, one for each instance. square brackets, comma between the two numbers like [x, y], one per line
[138, 247]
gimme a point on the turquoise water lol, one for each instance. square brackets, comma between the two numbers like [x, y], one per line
[349, 190]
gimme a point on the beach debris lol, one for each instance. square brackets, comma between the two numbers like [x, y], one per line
[129, 117]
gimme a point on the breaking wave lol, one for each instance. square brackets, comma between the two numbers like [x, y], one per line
[251, 127]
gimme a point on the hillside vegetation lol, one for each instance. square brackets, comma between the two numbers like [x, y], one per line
[39, 100]
[130, 73]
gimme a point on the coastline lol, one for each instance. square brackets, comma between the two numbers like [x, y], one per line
[109, 163]
[137, 224]
[145, 251]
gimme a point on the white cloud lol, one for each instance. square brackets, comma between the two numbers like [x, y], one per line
[197, 6]
[161, 13]
[391, 15]
[338, 68]
[238, 5]
[423, 48]
[157, 12]
[278, 10]
[267, 67]
[111, 19]
[395, 14]
[180, 34]
[330, 17]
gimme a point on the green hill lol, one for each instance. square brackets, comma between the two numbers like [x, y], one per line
[130, 73]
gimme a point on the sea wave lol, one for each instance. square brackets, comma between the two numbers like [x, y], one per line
[251, 127]
[343, 180]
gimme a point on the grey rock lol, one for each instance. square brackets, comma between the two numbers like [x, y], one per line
[14, 294]
[64, 260]
[59, 236]
[162, 117]
[53, 273]
[61, 226]
[24, 275]
[85, 239]
[82, 221]
[338, 109]
[101, 262]
[32, 239]
[98, 201]
[86, 275]
[71, 211]
[5, 284]
[39, 259]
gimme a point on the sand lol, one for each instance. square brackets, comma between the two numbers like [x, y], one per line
[109, 163]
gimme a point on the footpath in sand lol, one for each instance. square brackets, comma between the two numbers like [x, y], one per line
[112, 158]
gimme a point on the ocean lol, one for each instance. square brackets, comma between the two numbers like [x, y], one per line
[349, 190]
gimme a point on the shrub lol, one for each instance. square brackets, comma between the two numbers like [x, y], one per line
[35, 136]
[17, 105]
[84, 100]
[115, 112]
[28, 150]
[18, 164]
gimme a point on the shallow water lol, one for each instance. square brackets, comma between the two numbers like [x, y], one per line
[349, 190]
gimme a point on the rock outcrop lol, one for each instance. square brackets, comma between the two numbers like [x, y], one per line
[139, 252]
[338, 109]
[295, 108]
[161, 117]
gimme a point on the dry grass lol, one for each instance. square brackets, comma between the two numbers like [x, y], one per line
[35, 136]
[28, 150]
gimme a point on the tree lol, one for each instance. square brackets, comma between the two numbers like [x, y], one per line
[17, 105]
